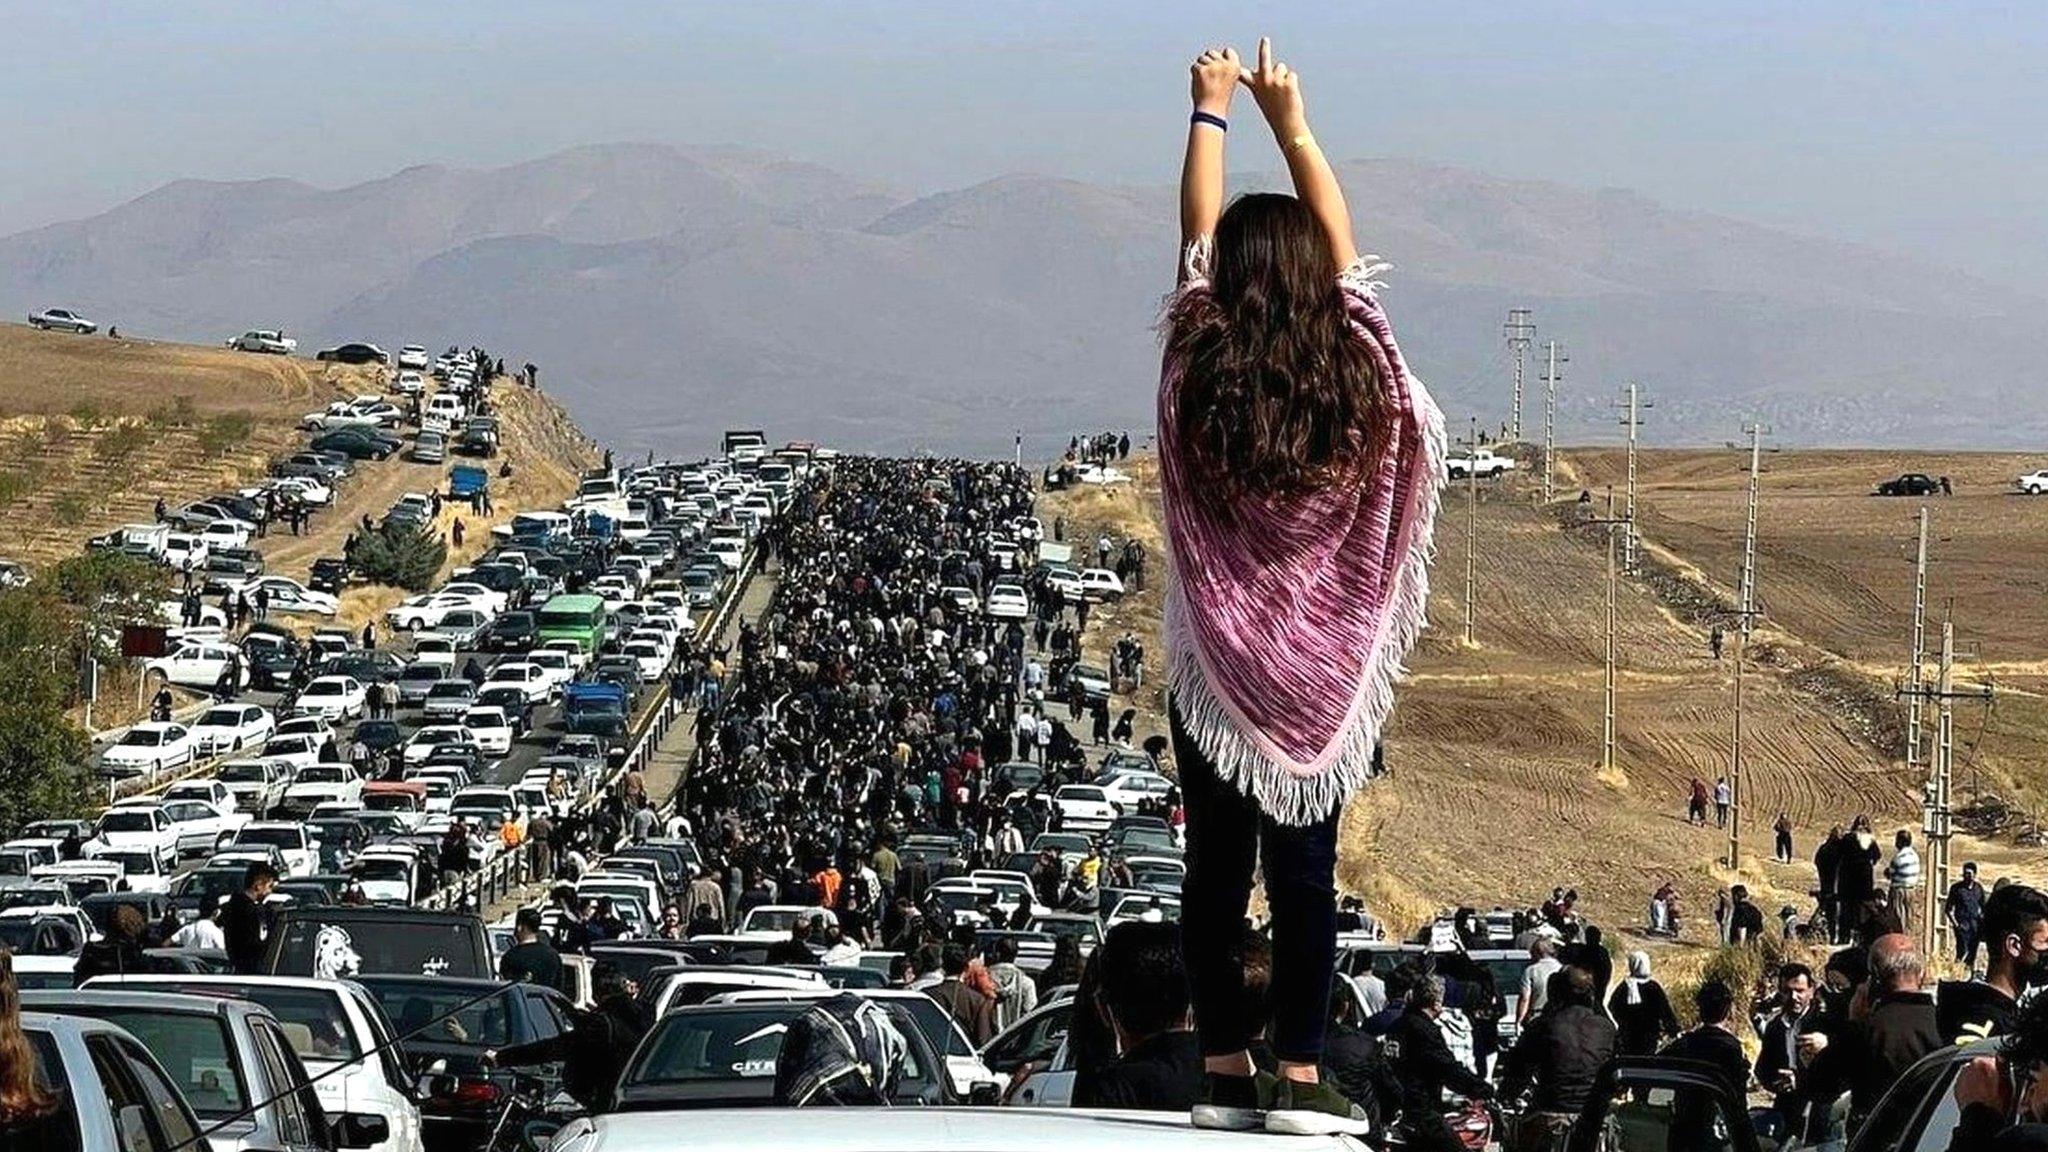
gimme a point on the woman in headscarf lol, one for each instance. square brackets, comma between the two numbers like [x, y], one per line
[1642, 1012]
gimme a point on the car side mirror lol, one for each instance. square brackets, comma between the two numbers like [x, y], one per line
[360, 1130]
[985, 1094]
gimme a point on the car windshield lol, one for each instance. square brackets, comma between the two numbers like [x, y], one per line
[726, 1045]
[437, 1009]
[194, 1048]
[323, 688]
[241, 773]
[119, 821]
[289, 745]
[447, 690]
[281, 837]
[221, 718]
[322, 774]
[142, 738]
[381, 868]
[187, 810]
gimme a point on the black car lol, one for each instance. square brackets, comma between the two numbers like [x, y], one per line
[241, 508]
[512, 699]
[385, 941]
[496, 577]
[355, 445]
[371, 666]
[511, 632]
[464, 1099]
[1910, 484]
[378, 735]
[329, 574]
[272, 657]
[355, 352]
[621, 670]
[467, 757]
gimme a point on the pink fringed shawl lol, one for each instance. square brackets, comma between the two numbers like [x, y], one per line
[1287, 618]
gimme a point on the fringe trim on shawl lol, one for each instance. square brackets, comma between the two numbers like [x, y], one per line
[1254, 765]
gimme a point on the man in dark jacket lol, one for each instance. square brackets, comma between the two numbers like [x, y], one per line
[974, 1012]
[2015, 933]
[1871, 1053]
[119, 953]
[1777, 1065]
[596, 1047]
[1143, 992]
[242, 922]
[1712, 1043]
[1826, 858]
[796, 949]
[1424, 1067]
[1559, 1056]
[531, 958]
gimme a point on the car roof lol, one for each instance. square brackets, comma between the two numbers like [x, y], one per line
[59, 999]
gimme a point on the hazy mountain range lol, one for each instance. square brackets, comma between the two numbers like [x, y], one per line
[667, 294]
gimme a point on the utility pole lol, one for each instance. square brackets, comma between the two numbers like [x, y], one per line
[1919, 657]
[1471, 528]
[1631, 540]
[1746, 610]
[1613, 639]
[1936, 818]
[1520, 333]
[1550, 379]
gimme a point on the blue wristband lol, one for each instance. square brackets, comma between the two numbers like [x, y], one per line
[1219, 122]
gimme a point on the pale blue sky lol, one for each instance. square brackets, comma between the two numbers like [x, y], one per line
[1911, 126]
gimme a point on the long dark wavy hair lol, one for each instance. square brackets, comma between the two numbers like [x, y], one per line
[1275, 396]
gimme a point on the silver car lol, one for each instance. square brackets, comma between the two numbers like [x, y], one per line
[223, 1055]
[430, 448]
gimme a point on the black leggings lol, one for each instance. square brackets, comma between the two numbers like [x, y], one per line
[1227, 836]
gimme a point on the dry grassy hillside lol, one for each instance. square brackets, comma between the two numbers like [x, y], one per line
[1496, 794]
[94, 431]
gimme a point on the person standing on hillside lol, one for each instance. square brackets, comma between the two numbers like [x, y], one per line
[1287, 419]
[1781, 831]
[1724, 798]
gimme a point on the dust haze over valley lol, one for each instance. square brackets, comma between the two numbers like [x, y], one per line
[666, 292]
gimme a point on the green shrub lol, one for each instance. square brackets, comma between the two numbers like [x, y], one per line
[405, 557]
[15, 485]
[69, 510]
[178, 414]
[86, 414]
[123, 441]
[226, 432]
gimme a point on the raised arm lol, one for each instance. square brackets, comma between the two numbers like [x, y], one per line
[1215, 75]
[1277, 88]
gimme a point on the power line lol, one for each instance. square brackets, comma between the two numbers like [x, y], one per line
[1746, 610]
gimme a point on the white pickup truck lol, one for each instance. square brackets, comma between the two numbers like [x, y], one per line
[2033, 483]
[1480, 463]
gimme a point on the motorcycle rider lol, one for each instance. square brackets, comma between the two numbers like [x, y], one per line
[1557, 1058]
[1423, 1066]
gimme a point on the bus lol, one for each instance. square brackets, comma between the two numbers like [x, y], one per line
[574, 617]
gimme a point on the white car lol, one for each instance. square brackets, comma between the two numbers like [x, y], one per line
[301, 858]
[197, 664]
[1064, 581]
[208, 791]
[137, 827]
[307, 489]
[533, 680]
[488, 599]
[1084, 806]
[653, 660]
[231, 728]
[427, 609]
[184, 552]
[320, 783]
[149, 747]
[962, 598]
[557, 667]
[264, 340]
[257, 785]
[295, 752]
[1128, 788]
[2033, 483]
[413, 356]
[199, 826]
[288, 595]
[409, 383]
[316, 726]
[492, 729]
[421, 743]
[1480, 463]
[223, 534]
[332, 698]
[1007, 602]
[730, 551]
[142, 871]
[571, 652]
[1101, 584]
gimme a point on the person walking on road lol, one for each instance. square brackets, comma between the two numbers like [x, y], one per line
[1286, 413]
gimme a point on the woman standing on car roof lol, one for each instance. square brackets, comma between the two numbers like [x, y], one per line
[1300, 462]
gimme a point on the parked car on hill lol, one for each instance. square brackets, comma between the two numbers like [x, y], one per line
[62, 320]
[1480, 463]
[264, 340]
[355, 353]
[2033, 483]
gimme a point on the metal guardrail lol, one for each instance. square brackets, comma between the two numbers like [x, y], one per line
[509, 872]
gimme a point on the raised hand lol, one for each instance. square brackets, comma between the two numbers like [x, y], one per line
[1215, 74]
[1277, 88]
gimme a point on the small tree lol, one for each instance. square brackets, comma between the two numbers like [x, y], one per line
[395, 554]
[41, 750]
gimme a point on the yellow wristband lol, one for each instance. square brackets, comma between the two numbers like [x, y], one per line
[1300, 142]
